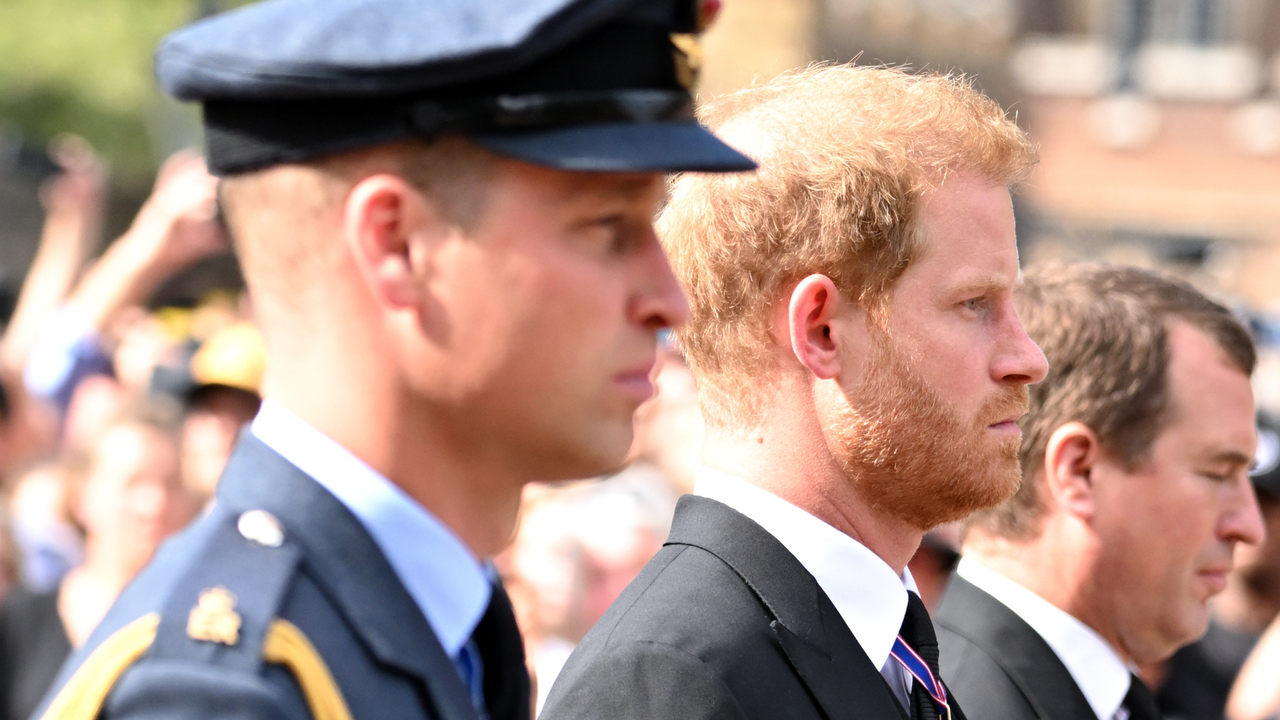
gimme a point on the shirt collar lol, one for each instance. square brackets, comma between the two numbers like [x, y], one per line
[446, 582]
[868, 594]
[1094, 665]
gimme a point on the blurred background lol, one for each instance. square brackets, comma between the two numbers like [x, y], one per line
[1158, 123]
[80, 67]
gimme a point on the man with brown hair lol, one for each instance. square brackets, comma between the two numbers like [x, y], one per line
[861, 370]
[1135, 461]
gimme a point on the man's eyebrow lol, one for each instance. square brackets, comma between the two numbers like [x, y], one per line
[1234, 457]
[982, 285]
[628, 190]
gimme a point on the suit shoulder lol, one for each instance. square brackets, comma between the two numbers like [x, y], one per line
[195, 629]
[982, 687]
[686, 598]
[642, 679]
[688, 625]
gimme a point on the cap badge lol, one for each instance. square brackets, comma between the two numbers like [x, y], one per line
[261, 527]
[214, 618]
[688, 55]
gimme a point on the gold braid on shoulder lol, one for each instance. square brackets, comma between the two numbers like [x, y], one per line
[84, 694]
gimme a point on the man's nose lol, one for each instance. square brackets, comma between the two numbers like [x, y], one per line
[1242, 518]
[1021, 362]
[658, 302]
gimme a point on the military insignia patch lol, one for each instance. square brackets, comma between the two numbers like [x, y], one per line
[688, 56]
[214, 618]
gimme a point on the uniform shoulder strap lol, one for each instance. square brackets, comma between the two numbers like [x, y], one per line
[223, 612]
[83, 696]
[84, 693]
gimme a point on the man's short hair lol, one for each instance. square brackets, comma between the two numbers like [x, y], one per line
[845, 155]
[451, 171]
[1105, 332]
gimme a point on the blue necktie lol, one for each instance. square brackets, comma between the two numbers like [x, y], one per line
[471, 668]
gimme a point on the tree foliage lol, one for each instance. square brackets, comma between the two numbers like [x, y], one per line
[84, 66]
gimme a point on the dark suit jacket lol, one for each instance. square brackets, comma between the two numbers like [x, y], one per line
[330, 580]
[997, 665]
[723, 623]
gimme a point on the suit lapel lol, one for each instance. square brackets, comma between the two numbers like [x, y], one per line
[809, 629]
[1020, 651]
[348, 565]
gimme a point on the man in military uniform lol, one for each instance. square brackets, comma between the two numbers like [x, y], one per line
[443, 212]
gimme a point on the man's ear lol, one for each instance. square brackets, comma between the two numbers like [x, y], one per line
[389, 224]
[815, 303]
[1070, 462]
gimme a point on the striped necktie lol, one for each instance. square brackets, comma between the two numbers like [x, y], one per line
[916, 648]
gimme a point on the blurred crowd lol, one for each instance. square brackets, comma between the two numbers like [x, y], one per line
[116, 419]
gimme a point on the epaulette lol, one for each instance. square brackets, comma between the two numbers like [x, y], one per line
[223, 612]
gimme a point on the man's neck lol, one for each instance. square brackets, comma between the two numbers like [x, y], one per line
[801, 471]
[478, 502]
[1042, 566]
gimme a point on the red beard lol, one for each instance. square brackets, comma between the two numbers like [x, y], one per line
[908, 453]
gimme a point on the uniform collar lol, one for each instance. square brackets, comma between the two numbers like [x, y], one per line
[447, 583]
[1102, 676]
[870, 597]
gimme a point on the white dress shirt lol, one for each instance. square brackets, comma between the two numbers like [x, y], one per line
[446, 582]
[869, 595]
[1095, 666]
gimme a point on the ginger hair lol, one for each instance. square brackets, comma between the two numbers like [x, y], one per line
[846, 153]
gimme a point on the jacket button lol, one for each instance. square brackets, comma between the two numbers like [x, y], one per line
[261, 527]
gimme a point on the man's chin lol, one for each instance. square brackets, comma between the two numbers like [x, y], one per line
[1002, 478]
[965, 497]
[584, 456]
[1004, 484]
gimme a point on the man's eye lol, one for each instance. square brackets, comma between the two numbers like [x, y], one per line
[618, 235]
[974, 304]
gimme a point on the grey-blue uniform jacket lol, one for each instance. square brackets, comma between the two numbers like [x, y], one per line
[278, 604]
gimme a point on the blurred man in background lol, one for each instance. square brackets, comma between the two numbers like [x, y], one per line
[1196, 681]
[1135, 495]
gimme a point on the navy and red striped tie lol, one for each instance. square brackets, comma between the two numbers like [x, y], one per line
[916, 648]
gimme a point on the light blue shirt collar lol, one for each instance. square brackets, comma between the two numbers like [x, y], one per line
[448, 584]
